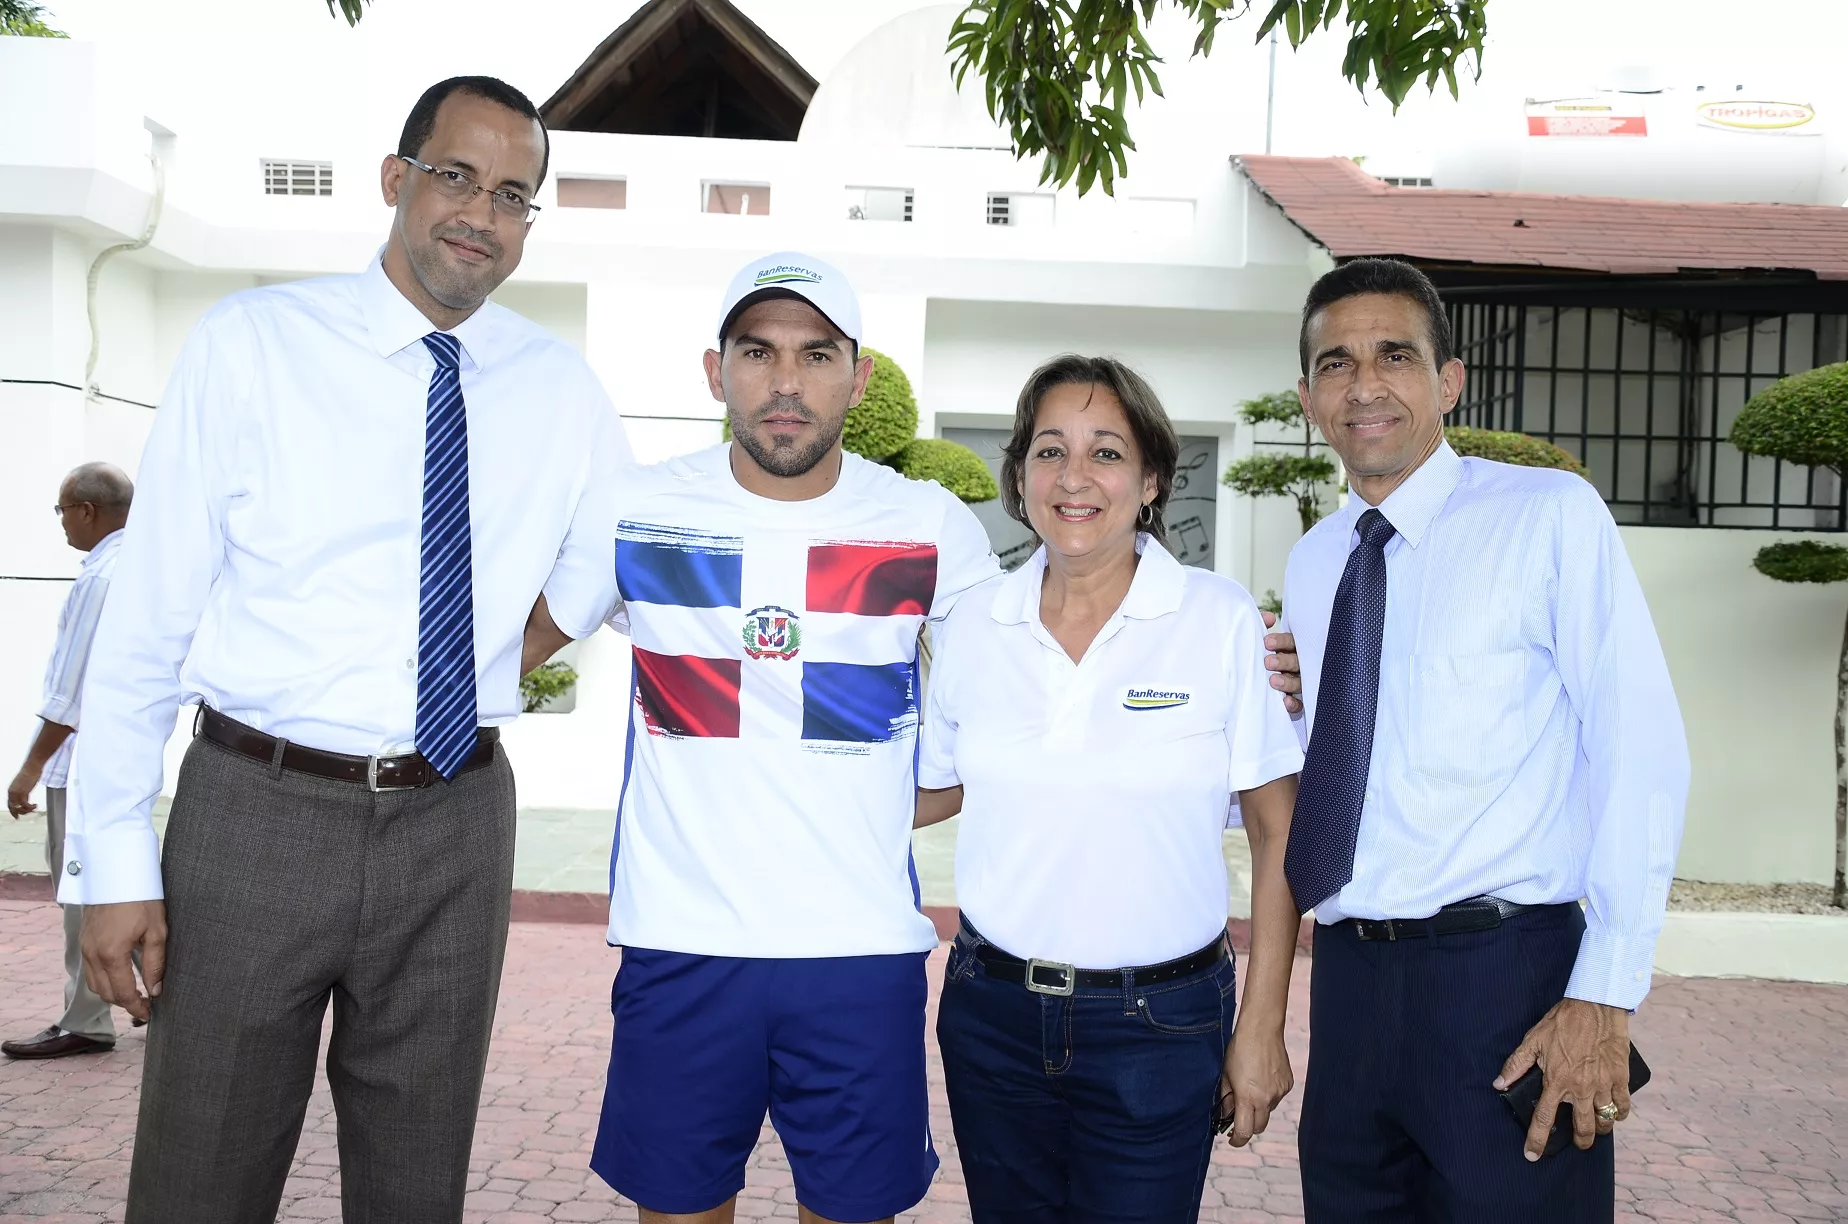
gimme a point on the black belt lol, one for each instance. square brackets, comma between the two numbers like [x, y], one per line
[406, 772]
[1475, 914]
[1057, 978]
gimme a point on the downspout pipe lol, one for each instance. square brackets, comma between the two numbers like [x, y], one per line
[90, 390]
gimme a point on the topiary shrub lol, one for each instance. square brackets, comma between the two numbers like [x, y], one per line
[1305, 478]
[950, 464]
[1803, 419]
[1515, 448]
[887, 417]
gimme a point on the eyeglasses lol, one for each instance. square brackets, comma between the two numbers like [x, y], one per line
[459, 186]
[60, 509]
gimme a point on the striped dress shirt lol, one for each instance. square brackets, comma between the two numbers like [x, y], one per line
[83, 607]
[1527, 743]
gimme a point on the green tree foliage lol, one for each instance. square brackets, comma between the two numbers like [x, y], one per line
[887, 417]
[350, 9]
[1803, 419]
[24, 19]
[950, 464]
[1058, 73]
[1803, 561]
[544, 683]
[1515, 448]
[1305, 477]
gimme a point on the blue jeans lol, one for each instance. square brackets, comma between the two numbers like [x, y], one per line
[1093, 1107]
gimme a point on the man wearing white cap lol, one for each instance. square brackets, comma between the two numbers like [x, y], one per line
[761, 883]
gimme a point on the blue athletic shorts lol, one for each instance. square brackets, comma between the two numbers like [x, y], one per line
[832, 1047]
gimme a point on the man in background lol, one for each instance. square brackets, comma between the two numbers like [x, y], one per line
[93, 507]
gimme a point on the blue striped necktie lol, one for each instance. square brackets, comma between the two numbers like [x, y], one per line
[446, 715]
[1319, 860]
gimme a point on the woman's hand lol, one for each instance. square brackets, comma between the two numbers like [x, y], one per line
[1256, 1077]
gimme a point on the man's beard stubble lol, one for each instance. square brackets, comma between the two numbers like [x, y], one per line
[782, 458]
[458, 290]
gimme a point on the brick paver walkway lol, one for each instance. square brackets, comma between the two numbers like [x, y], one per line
[1747, 1120]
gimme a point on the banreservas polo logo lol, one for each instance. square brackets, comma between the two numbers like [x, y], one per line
[1152, 697]
[772, 633]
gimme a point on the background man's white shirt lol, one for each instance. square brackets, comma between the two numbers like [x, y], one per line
[1528, 744]
[70, 656]
[271, 563]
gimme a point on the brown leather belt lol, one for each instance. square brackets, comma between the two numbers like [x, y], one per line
[406, 772]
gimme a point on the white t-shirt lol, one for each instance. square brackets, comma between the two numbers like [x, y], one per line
[768, 787]
[1095, 793]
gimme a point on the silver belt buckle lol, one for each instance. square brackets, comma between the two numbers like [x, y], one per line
[1069, 971]
[372, 779]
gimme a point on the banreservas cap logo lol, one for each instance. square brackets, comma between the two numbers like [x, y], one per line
[783, 274]
[1151, 697]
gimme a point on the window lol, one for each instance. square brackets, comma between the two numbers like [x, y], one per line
[879, 203]
[298, 178]
[1397, 181]
[1646, 399]
[1020, 208]
[751, 199]
[593, 193]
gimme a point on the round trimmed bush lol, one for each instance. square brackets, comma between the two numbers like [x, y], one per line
[1515, 448]
[950, 464]
[887, 417]
[1803, 561]
[1803, 418]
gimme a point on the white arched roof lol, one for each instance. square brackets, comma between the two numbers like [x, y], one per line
[894, 88]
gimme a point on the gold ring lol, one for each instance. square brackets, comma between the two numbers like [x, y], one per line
[1609, 1112]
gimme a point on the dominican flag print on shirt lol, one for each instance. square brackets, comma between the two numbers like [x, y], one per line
[769, 771]
[860, 607]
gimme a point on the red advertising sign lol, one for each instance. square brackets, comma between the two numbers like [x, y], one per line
[1587, 124]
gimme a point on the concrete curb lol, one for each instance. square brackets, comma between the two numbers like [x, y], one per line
[1787, 947]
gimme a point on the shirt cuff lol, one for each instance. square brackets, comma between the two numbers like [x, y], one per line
[60, 710]
[1612, 969]
[111, 867]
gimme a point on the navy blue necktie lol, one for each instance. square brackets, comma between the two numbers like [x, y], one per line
[1320, 857]
[446, 715]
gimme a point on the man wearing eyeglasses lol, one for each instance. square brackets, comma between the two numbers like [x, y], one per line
[354, 490]
[92, 506]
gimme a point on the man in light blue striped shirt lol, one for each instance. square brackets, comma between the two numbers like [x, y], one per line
[1493, 739]
[93, 506]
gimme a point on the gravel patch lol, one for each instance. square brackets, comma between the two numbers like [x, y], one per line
[1760, 898]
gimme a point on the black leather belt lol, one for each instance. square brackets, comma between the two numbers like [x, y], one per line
[406, 772]
[1475, 914]
[1057, 978]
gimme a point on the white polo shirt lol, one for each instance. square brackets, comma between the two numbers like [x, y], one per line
[1095, 793]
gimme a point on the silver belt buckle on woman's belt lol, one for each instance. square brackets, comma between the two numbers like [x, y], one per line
[1069, 972]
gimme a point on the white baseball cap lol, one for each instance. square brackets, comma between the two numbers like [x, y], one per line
[793, 274]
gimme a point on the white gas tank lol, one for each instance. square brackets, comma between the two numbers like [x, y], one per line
[1640, 136]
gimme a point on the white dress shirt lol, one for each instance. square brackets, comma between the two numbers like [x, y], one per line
[83, 606]
[271, 562]
[1095, 793]
[1527, 744]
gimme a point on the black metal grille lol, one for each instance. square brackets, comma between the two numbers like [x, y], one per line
[1646, 398]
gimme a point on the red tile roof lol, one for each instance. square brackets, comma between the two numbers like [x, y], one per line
[1352, 213]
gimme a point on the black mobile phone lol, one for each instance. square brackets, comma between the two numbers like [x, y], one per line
[1523, 1097]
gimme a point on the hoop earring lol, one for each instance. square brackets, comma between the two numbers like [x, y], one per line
[1146, 516]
